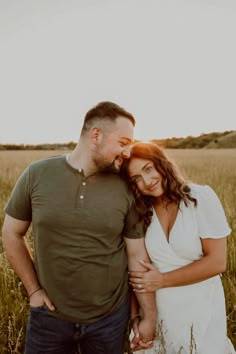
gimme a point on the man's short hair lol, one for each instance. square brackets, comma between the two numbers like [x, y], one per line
[106, 110]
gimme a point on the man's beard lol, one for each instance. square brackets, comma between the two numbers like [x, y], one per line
[105, 167]
[112, 168]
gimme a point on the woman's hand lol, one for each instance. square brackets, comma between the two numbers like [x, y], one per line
[147, 281]
[143, 334]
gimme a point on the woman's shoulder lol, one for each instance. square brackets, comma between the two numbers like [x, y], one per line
[198, 190]
[205, 195]
[209, 212]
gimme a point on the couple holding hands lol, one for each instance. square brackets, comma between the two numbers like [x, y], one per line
[120, 237]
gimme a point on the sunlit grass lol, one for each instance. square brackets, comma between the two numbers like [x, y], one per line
[214, 167]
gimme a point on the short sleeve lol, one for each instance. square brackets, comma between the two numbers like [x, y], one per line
[19, 203]
[134, 228]
[211, 218]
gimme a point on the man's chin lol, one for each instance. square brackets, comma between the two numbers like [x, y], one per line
[114, 167]
[111, 169]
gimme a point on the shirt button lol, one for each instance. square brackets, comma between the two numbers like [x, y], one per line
[80, 170]
[83, 183]
[81, 197]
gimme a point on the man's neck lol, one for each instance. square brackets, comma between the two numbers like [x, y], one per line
[82, 161]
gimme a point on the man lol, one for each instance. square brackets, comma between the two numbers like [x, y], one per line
[84, 223]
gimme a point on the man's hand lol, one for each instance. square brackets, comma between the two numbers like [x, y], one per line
[40, 298]
[144, 332]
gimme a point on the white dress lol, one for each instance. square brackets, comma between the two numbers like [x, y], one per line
[191, 318]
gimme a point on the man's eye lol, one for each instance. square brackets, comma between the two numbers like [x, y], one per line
[125, 143]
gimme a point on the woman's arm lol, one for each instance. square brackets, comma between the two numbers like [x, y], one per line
[212, 263]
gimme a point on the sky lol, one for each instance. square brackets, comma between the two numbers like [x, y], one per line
[170, 63]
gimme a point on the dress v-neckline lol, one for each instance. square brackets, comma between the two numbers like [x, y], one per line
[167, 238]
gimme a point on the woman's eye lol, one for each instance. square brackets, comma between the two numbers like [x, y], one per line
[149, 168]
[136, 179]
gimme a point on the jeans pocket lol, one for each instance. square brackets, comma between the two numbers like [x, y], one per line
[41, 309]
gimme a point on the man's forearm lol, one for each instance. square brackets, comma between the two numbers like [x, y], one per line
[147, 307]
[136, 251]
[146, 301]
[20, 258]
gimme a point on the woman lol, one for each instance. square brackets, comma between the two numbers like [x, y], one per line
[186, 241]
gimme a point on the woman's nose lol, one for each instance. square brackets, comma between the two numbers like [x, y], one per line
[126, 152]
[147, 180]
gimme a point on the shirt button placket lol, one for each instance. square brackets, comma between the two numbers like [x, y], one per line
[82, 196]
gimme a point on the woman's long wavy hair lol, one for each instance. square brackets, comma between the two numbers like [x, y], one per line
[175, 186]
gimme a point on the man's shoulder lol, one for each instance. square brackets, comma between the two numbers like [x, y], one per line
[49, 161]
[113, 181]
[118, 180]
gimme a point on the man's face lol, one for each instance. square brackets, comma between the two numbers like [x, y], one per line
[114, 146]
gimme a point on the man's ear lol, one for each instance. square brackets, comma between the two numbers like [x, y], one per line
[96, 135]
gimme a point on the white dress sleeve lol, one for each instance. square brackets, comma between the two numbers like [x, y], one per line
[211, 218]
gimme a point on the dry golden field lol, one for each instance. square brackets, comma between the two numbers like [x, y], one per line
[214, 167]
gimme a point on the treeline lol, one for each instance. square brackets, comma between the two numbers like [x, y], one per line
[215, 140]
[224, 140]
[55, 146]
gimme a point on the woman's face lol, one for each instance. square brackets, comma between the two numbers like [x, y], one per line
[147, 178]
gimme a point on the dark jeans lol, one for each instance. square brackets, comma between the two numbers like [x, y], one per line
[50, 335]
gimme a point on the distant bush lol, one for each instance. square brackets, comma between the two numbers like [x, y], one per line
[214, 140]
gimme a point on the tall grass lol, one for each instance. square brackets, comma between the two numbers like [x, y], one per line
[214, 167]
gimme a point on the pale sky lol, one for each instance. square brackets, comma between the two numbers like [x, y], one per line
[171, 63]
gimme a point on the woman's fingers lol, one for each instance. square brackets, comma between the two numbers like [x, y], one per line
[146, 345]
[139, 288]
[147, 265]
[136, 280]
[136, 274]
[137, 283]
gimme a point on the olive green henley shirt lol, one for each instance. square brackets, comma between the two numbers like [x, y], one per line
[78, 227]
